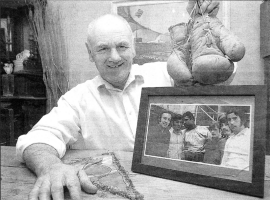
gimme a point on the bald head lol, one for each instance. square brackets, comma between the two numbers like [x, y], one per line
[107, 23]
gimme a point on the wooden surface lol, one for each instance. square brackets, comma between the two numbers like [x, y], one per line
[17, 181]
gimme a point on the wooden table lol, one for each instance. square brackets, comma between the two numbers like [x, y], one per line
[17, 181]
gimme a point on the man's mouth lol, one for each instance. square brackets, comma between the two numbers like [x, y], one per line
[116, 65]
[165, 124]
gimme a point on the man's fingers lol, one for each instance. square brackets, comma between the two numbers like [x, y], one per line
[190, 6]
[204, 7]
[33, 195]
[45, 190]
[57, 190]
[86, 184]
[74, 187]
[213, 8]
[214, 12]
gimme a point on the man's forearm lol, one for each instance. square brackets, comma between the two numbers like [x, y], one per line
[39, 158]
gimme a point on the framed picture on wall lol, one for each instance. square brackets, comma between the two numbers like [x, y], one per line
[177, 150]
[150, 21]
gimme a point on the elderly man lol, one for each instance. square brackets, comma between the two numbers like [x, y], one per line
[237, 147]
[98, 114]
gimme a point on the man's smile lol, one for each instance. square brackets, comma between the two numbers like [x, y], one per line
[113, 65]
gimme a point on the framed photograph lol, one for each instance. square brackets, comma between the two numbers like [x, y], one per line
[150, 21]
[212, 136]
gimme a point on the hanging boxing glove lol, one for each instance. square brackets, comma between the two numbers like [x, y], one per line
[178, 61]
[227, 42]
[213, 50]
[209, 64]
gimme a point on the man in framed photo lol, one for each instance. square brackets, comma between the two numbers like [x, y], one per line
[237, 147]
[176, 138]
[158, 137]
[224, 126]
[195, 138]
[214, 148]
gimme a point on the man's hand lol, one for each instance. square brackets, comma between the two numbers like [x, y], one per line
[53, 175]
[200, 7]
[52, 183]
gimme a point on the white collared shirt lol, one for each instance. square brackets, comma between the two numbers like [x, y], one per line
[95, 115]
[176, 144]
[196, 138]
[237, 150]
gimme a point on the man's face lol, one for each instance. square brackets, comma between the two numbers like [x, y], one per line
[188, 123]
[177, 125]
[225, 129]
[112, 50]
[234, 122]
[165, 120]
[215, 132]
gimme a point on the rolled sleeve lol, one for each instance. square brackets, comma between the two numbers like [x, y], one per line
[42, 137]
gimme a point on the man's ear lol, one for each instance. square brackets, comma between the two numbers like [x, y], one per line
[89, 52]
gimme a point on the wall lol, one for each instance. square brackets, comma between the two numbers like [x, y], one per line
[244, 16]
[76, 16]
[245, 23]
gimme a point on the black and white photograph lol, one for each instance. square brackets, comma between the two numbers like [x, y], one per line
[200, 133]
[217, 135]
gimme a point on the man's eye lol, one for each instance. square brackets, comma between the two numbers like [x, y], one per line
[103, 49]
[122, 47]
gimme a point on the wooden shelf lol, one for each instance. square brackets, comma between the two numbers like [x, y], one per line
[5, 98]
[28, 72]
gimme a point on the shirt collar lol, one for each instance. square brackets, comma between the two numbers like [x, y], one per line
[177, 133]
[243, 132]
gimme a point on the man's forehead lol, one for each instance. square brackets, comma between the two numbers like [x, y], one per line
[113, 36]
[166, 115]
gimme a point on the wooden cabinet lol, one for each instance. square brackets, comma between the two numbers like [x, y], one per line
[29, 84]
[18, 115]
[21, 110]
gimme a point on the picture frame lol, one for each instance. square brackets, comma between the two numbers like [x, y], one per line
[218, 100]
[150, 22]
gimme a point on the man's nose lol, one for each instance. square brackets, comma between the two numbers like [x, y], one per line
[114, 57]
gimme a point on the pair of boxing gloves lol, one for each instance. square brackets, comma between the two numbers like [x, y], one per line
[203, 49]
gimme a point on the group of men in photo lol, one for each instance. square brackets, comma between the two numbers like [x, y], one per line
[225, 142]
